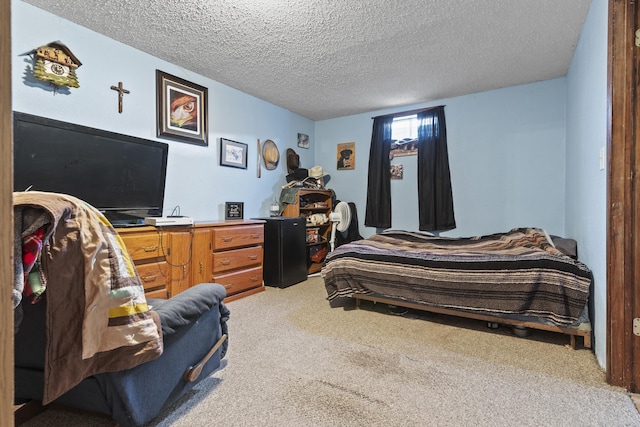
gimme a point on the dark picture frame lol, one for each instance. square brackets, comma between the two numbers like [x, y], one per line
[233, 153]
[233, 210]
[181, 110]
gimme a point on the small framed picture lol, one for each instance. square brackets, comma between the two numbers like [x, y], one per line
[303, 140]
[181, 109]
[313, 235]
[233, 153]
[346, 156]
[234, 210]
[397, 171]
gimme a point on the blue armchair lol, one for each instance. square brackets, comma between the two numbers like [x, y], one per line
[194, 333]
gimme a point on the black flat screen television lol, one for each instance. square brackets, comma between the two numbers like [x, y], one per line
[122, 176]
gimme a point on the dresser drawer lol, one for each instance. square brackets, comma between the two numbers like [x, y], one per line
[234, 237]
[144, 245]
[160, 293]
[236, 258]
[153, 275]
[240, 281]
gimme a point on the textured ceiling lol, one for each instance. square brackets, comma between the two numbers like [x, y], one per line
[331, 58]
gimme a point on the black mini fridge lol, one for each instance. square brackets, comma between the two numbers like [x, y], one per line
[285, 251]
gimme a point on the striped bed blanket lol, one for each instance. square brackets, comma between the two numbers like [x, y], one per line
[519, 273]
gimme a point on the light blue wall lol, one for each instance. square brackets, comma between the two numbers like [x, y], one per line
[195, 180]
[506, 154]
[586, 213]
[520, 156]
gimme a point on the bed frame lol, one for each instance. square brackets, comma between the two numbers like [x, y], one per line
[571, 332]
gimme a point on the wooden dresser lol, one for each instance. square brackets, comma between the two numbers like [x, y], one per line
[172, 259]
[237, 258]
[149, 250]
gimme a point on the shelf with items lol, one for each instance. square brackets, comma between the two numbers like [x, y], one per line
[316, 254]
[322, 242]
[315, 206]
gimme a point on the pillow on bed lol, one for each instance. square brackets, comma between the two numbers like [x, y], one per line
[568, 247]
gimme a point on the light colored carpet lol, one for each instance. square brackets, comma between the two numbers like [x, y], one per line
[294, 361]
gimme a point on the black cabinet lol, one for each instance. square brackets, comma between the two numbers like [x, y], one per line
[285, 252]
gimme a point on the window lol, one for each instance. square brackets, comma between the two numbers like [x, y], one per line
[404, 132]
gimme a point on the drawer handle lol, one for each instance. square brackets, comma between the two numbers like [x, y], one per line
[201, 267]
[255, 236]
[150, 248]
[253, 257]
[229, 286]
[225, 262]
[227, 239]
[254, 279]
[149, 278]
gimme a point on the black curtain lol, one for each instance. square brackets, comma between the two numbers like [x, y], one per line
[435, 198]
[378, 211]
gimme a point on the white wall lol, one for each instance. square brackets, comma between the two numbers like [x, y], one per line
[195, 180]
[586, 213]
[506, 154]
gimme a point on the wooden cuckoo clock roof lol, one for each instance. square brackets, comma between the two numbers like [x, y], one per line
[57, 52]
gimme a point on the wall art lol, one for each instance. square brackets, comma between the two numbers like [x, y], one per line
[233, 153]
[181, 109]
[346, 156]
[397, 172]
[303, 140]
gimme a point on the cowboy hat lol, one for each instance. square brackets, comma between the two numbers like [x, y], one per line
[293, 160]
[299, 174]
[316, 172]
[270, 154]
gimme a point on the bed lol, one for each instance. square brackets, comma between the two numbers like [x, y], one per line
[519, 278]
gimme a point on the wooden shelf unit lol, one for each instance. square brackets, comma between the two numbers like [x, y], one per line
[309, 202]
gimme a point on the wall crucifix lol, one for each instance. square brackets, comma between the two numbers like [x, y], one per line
[121, 92]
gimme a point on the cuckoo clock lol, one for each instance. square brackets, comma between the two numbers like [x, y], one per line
[55, 63]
